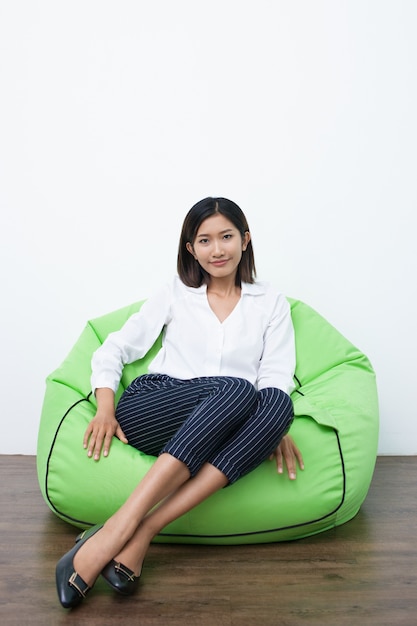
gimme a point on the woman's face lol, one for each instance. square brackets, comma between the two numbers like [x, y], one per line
[218, 246]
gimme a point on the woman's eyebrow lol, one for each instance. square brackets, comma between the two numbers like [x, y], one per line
[222, 232]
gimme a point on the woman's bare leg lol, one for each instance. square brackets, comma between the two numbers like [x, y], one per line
[164, 477]
[208, 480]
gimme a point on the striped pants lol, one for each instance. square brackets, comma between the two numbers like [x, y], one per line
[221, 420]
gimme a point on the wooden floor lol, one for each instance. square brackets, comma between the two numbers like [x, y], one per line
[362, 573]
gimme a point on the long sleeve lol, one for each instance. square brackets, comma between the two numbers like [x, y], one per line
[131, 342]
[277, 365]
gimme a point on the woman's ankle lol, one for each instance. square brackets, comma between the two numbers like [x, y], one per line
[133, 553]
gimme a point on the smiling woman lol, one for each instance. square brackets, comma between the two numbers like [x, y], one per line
[213, 403]
[211, 407]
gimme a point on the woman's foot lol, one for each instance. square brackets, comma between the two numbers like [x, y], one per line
[123, 572]
[89, 559]
[71, 587]
[98, 551]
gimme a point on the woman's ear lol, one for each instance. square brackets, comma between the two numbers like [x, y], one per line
[190, 248]
[245, 240]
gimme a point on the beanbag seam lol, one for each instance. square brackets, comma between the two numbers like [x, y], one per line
[63, 515]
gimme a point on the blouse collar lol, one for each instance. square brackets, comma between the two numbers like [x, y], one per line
[251, 289]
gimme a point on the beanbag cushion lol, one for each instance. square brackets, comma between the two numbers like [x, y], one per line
[335, 426]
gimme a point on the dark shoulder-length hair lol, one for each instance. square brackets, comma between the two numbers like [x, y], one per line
[189, 270]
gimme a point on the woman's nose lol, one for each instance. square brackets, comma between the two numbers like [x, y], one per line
[217, 248]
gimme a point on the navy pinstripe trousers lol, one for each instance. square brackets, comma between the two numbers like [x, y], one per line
[221, 420]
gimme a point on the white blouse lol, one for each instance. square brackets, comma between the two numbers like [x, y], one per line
[255, 342]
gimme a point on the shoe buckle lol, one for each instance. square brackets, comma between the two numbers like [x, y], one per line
[121, 569]
[73, 583]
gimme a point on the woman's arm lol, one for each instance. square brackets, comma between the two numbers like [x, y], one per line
[104, 426]
[128, 344]
[277, 365]
[131, 342]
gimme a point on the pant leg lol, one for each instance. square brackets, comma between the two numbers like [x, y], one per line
[258, 437]
[213, 422]
[153, 408]
[194, 416]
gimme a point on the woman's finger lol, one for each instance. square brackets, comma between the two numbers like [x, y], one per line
[87, 435]
[120, 434]
[280, 466]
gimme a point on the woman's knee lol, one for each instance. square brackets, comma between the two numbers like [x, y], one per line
[240, 387]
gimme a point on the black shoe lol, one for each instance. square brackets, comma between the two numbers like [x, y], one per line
[120, 577]
[71, 588]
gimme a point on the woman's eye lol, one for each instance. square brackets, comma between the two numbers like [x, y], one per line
[203, 241]
[228, 236]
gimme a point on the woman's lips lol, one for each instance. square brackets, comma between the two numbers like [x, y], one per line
[219, 263]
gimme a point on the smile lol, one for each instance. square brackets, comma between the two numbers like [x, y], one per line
[219, 263]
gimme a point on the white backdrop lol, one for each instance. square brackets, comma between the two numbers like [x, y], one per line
[115, 117]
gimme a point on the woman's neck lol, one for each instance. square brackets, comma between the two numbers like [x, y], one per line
[223, 297]
[223, 288]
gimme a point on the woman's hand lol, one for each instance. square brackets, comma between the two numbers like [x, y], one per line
[103, 427]
[287, 451]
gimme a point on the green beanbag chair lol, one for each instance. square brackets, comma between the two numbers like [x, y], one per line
[335, 426]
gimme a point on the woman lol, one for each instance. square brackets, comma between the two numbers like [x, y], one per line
[214, 405]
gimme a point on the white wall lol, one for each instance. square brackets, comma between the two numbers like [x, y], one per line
[115, 117]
